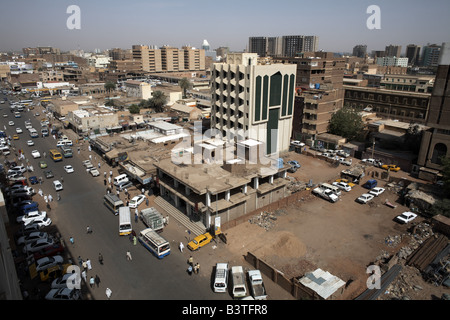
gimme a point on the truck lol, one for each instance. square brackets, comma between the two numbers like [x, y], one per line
[327, 194]
[257, 287]
[238, 278]
[152, 219]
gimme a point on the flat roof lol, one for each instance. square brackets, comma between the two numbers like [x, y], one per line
[164, 125]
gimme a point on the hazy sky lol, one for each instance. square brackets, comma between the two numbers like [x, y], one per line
[106, 24]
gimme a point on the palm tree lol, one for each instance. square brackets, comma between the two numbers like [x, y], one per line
[159, 99]
[110, 86]
[185, 85]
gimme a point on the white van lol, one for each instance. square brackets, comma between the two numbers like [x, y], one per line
[221, 277]
[124, 221]
[120, 179]
[328, 186]
[238, 278]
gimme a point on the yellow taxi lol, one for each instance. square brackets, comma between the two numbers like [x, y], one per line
[351, 185]
[199, 241]
[391, 167]
[54, 272]
[15, 137]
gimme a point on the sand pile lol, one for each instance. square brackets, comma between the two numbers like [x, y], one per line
[283, 244]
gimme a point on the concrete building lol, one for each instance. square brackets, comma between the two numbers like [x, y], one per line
[393, 50]
[138, 89]
[413, 54]
[285, 46]
[392, 61]
[253, 101]
[360, 50]
[436, 141]
[62, 107]
[186, 112]
[430, 55]
[92, 119]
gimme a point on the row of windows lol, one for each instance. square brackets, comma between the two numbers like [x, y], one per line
[391, 111]
[387, 98]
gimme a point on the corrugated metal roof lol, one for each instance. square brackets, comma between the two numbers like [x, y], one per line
[322, 282]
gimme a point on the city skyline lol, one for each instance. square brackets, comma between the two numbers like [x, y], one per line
[116, 24]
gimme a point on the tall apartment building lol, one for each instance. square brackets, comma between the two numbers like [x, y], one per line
[413, 54]
[253, 101]
[360, 50]
[120, 54]
[436, 141]
[393, 50]
[430, 55]
[392, 61]
[287, 46]
[169, 59]
[320, 92]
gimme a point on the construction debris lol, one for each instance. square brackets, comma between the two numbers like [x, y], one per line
[266, 219]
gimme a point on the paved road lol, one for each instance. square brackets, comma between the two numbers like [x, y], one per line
[145, 277]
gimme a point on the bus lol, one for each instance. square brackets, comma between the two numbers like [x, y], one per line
[55, 155]
[154, 243]
[66, 151]
[124, 221]
[26, 102]
[112, 202]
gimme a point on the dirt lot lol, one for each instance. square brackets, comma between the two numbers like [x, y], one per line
[342, 238]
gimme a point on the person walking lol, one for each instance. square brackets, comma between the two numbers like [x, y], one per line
[134, 240]
[88, 263]
[191, 261]
[189, 270]
[100, 258]
[50, 198]
[197, 267]
[71, 240]
[84, 276]
[181, 247]
[108, 293]
[85, 266]
[80, 261]
[88, 229]
[129, 256]
[91, 281]
[97, 280]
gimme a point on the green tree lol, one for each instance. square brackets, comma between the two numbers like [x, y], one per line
[347, 123]
[134, 108]
[158, 100]
[110, 86]
[185, 85]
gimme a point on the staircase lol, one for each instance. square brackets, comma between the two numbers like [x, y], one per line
[196, 228]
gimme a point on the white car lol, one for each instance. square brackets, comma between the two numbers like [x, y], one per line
[364, 198]
[30, 143]
[22, 169]
[136, 201]
[30, 216]
[35, 154]
[343, 186]
[406, 217]
[26, 191]
[68, 168]
[376, 191]
[297, 143]
[32, 237]
[94, 172]
[57, 185]
[63, 294]
[11, 123]
[38, 245]
[18, 130]
[39, 222]
[86, 162]
[48, 262]
[61, 282]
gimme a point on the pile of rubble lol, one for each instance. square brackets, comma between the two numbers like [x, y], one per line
[295, 185]
[266, 219]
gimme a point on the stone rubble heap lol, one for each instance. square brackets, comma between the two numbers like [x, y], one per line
[266, 219]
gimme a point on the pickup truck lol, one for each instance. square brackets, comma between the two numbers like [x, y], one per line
[326, 194]
[257, 285]
[345, 161]
[152, 219]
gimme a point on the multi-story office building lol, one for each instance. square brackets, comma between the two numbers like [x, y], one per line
[253, 101]
[393, 50]
[360, 51]
[319, 92]
[286, 46]
[436, 141]
[430, 55]
[169, 59]
[413, 54]
[392, 61]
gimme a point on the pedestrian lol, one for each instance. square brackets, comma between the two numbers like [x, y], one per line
[181, 247]
[104, 181]
[104, 174]
[46, 199]
[97, 280]
[80, 261]
[78, 150]
[99, 165]
[143, 191]
[110, 173]
[136, 214]
[40, 192]
[85, 266]
[118, 192]
[100, 258]
[58, 196]
[71, 240]
[126, 191]
[109, 180]
[191, 261]
[197, 267]
[88, 229]
[146, 202]
[40, 180]
[90, 157]
[167, 220]
[129, 256]
[134, 240]
[91, 281]
[108, 293]
[189, 270]
[84, 276]
[89, 148]
[50, 198]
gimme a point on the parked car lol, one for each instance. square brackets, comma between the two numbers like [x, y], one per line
[406, 217]
[61, 282]
[48, 174]
[390, 167]
[54, 272]
[32, 237]
[342, 186]
[294, 163]
[30, 143]
[35, 154]
[376, 191]
[199, 241]
[68, 168]
[63, 294]
[33, 180]
[364, 198]
[47, 262]
[30, 216]
[57, 185]
[136, 201]
[370, 184]
[297, 143]
[37, 245]
[55, 248]
[41, 222]
[94, 172]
